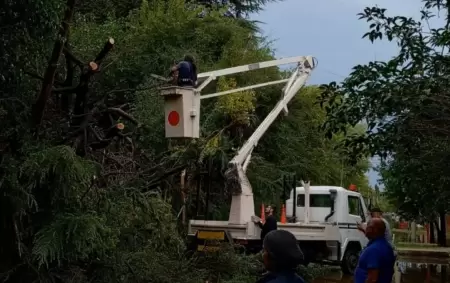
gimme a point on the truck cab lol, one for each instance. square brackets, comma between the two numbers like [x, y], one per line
[324, 224]
[336, 207]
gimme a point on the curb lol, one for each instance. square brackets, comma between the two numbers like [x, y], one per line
[423, 253]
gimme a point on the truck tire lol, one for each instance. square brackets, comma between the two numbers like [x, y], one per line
[350, 260]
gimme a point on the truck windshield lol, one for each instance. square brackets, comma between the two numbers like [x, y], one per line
[315, 200]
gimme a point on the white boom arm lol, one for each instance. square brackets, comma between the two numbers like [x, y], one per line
[242, 204]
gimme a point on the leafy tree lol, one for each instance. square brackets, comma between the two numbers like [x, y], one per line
[91, 192]
[404, 103]
[295, 144]
[239, 7]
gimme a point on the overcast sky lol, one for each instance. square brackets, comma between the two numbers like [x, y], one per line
[330, 31]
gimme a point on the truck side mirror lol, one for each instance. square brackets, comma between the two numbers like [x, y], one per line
[333, 194]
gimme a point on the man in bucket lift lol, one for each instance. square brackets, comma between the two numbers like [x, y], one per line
[184, 74]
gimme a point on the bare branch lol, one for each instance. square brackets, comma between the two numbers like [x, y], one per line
[125, 115]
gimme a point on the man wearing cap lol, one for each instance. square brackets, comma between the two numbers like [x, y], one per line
[281, 257]
[270, 224]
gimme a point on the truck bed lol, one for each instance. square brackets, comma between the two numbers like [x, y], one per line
[250, 231]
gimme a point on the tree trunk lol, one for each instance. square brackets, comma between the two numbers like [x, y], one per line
[442, 233]
[432, 238]
[413, 232]
[49, 76]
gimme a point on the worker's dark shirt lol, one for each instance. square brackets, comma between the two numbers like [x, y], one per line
[187, 74]
[378, 254]
[268, 226]
[281, 277]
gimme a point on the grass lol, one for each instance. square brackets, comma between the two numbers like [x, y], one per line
[415, 245]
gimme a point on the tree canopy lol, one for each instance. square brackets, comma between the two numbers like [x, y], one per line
[405, 104]
[91, 189]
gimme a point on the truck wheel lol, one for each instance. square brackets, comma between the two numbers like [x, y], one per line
[350, 261]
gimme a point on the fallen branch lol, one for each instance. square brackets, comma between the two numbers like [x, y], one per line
[166, 174]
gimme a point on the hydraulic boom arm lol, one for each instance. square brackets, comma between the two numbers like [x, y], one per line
[242, 204]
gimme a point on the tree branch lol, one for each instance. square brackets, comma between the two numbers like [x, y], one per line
[124, 114]
[66, 100]
[106, 48]
[33, 75]
[49, 76]
[71, 57]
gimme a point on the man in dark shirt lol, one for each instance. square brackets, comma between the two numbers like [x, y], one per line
[377, 260]
[270, 224]
[185, 72]
[281, 257]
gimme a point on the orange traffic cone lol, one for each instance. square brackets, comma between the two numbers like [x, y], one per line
[263, 213]
[283, 214]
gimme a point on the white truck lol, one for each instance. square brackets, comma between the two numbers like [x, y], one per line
[325, 218]
[326, 228]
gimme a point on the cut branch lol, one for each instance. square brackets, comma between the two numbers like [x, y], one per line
[83, 89]
[106, 48]
[49, 76]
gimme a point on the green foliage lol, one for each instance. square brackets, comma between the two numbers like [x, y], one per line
[238, 106]
[404, 103]
[73, 237]
[78, 213]
[296, 144]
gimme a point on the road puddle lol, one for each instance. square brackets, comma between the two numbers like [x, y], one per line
[407, 270]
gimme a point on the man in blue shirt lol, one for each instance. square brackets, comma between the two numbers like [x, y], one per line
[185, 72]
[377, 260]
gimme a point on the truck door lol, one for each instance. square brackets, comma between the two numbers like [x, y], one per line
[357, 213]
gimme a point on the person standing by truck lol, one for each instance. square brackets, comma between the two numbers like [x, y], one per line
[281, 256]
[377, 213]
[269, 225]
[377, 259]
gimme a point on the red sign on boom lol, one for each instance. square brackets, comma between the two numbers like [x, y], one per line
[174, 118]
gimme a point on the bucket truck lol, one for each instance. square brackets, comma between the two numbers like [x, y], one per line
[323, 218]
